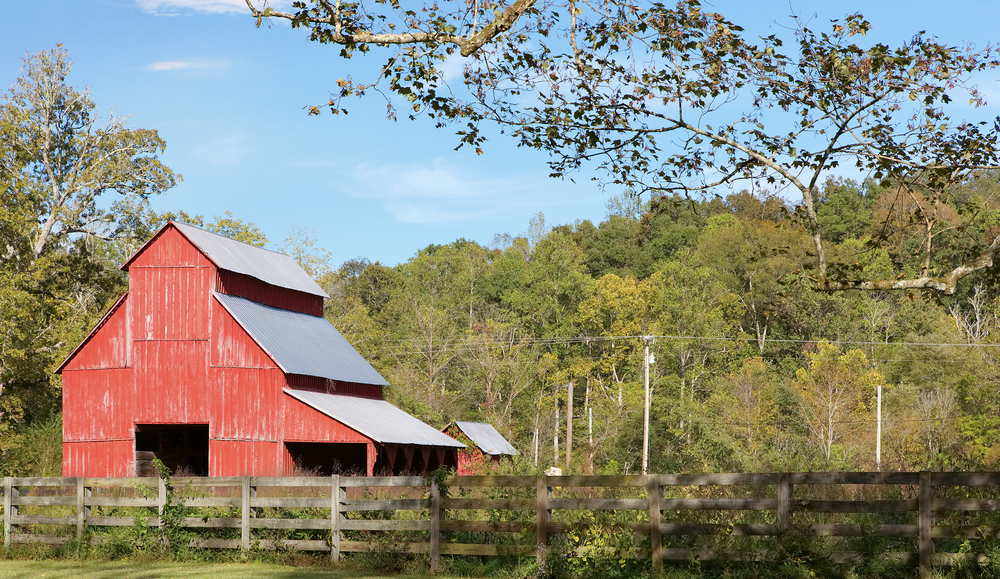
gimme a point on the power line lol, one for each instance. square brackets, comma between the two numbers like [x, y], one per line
[587, 339]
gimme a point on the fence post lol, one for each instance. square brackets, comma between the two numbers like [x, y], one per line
[82, 511]
[924, 522]
[161, 500]
[9, 510]
[542, 515]
[655, 540]
[435, 527]
[245, 514]
[783, 514]
[335, 499]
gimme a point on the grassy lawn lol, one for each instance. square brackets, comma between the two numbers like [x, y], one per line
[50, 569]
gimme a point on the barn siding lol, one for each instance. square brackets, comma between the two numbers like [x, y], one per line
[171, 382]
[303, 423]
[99, 458]
[108, 345]
[238, 284]
[246, 403]
[169, 303]
[326, 386]
[170, 248]
[232, 346]
[99, 409]
[245, 457]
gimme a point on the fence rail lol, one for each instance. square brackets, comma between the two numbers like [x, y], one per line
[343, 507]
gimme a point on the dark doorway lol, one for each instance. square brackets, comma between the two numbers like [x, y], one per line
[326, 458]
[183, 448]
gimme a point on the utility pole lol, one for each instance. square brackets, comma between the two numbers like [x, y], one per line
[536, 446]
[645, 414]
[555, 435]
[878, 431]
[569, 427]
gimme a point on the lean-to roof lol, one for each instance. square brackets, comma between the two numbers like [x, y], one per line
[301, 343]
[486, 437]
[377, 419]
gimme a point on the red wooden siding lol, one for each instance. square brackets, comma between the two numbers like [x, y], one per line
[246, 404]
[232, 346]
[99, 411]
[172, 249]
[104, 458]
[302, 423]
[238, 284]
[171, 382]
[243, 457]
[314, 384]
[109, 344]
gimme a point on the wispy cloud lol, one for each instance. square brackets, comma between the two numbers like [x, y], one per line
[225, 149]
[436, 193]
[171, 7]
[172, 65]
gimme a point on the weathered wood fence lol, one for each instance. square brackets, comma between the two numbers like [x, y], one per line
[669, 509]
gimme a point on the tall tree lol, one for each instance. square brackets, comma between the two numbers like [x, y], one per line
[675, 98]
[57, 160]
[835, 394]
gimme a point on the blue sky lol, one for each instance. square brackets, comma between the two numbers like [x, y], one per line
[229, 100]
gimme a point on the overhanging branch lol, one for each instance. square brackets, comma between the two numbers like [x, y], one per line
[467, 45]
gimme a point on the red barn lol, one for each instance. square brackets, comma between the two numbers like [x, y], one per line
[486, 447]
[219, 361]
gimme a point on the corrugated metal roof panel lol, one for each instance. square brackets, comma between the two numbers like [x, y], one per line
[300, 343]
[376, 419]
[268, 266]
[486, 437]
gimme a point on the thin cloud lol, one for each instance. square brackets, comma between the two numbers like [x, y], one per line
[172, 7]
[228, 149]
[436, 192]
[423, 215]
[172, 65]
[438, 181]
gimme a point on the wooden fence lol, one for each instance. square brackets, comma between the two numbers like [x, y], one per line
[675, 515]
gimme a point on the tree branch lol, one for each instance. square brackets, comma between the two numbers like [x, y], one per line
[467, 45]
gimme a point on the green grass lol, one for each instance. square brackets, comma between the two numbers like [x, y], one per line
[50, 569]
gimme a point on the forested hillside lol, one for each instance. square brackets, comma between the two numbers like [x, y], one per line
[755, 370]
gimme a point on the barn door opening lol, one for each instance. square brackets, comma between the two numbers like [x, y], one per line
[183, 448]
[326, 458]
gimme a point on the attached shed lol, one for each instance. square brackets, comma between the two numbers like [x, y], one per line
[218, 361]
[484, 446]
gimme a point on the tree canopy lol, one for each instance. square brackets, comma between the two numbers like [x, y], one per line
[665, 98]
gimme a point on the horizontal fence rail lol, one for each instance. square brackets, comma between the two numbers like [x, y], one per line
[517, 515]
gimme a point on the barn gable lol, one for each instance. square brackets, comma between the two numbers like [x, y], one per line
[227, 254]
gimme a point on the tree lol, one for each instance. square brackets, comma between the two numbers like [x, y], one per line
[835, 393]
[501, 367]
[666, 98]
[57, 160]
[691, 303]
[746, 401]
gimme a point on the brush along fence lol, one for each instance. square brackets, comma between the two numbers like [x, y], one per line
[844, 516]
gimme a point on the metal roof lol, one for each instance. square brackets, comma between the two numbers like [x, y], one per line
[268, 266]
[301, 343]
[376, 419]
[486, 437]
